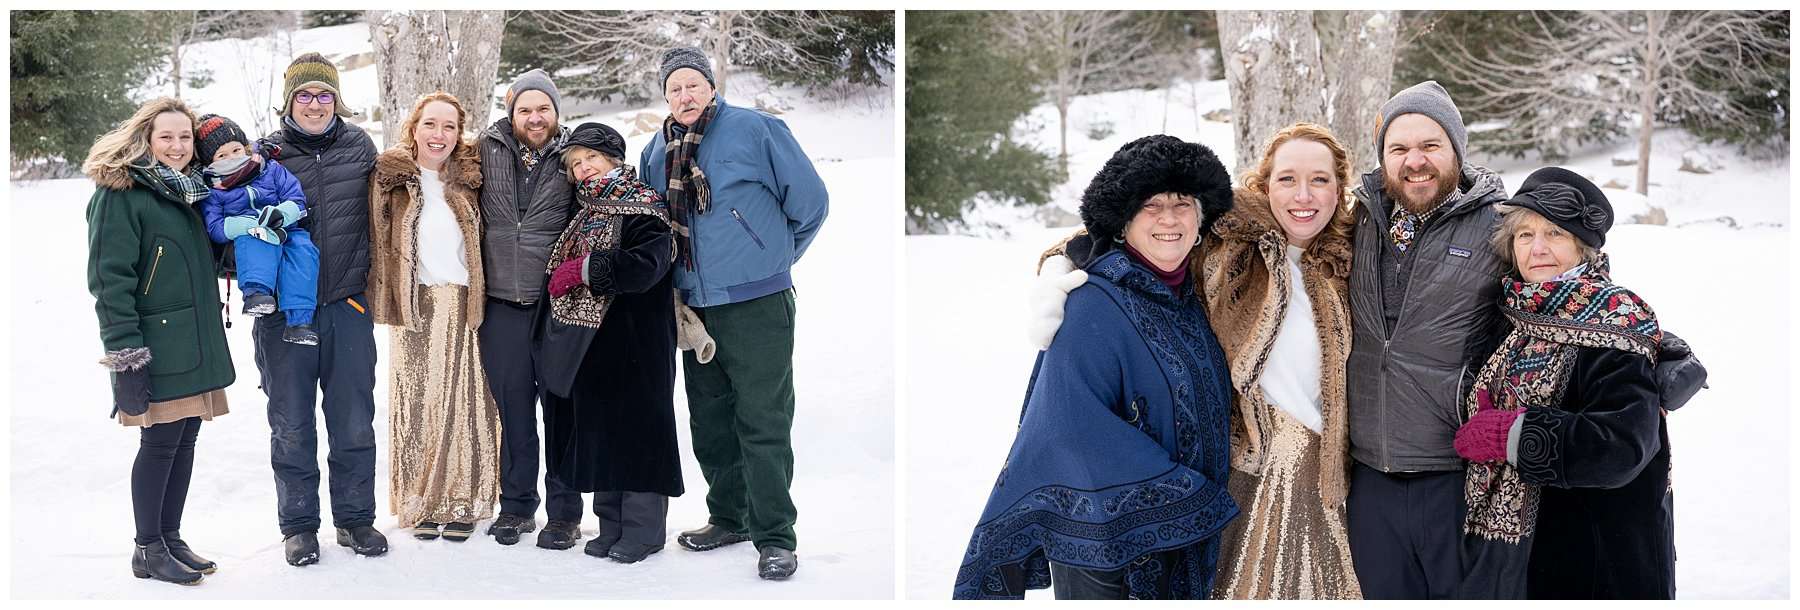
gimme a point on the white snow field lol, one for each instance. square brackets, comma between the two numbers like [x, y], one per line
[1725, 290]
[70, 492]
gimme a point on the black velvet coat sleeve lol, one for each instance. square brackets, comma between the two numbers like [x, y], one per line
[1605, 432]
[642, 258]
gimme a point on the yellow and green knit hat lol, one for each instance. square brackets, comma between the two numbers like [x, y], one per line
[311, 70]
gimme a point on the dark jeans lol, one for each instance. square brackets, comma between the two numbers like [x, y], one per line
[741, 411]
[1406, 533]
[160, 475]
[506, 358]
[342, 367]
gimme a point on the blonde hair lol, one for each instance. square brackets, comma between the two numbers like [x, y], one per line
[129, 141]
[1258, 180]
[568, 160]
[463, 151]
[1511, 216]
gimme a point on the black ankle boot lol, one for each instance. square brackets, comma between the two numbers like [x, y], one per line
[178, 549]
[153, 561]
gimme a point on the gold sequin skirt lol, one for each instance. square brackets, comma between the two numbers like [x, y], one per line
[444, 451]
[1285, 543]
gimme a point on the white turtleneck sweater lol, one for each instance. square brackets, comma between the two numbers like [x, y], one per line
[438, 245]
[1290, 380]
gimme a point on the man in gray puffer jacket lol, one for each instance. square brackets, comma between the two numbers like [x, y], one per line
[525, 204]
[1423, 290]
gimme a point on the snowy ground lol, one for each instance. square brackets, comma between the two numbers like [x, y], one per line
[70, 495]
[968, 361]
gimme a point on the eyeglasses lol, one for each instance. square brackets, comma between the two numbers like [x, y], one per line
[307, 98]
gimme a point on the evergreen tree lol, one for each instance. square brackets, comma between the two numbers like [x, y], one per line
[862, 54]
[963, 94]
[320, 19]
[72, 74]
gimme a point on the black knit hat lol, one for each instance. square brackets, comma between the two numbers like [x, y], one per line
[1569, 201]
[213, 132]
[597, 137]
[1149, 166]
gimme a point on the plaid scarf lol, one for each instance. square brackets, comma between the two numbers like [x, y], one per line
[596, 227]
[1531, 370]
[689, 194]
[189, 187]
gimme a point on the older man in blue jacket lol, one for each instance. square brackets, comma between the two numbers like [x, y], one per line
[745, 202]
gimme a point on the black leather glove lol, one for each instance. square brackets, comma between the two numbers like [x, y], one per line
[1679, 374]
[131, 391]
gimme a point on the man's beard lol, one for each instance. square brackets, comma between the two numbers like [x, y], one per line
[521, 135]
[1396, 191]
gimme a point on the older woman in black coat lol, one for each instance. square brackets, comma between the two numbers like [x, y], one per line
[606, 346]
[1568, 447]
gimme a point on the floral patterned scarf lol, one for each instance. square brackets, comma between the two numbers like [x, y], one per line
[595, 227]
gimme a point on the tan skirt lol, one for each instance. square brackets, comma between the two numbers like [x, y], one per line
[1286, 544]
[204, 406]
[444, 454]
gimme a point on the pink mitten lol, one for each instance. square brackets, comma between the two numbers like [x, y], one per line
[1483, 439]
[566, 277]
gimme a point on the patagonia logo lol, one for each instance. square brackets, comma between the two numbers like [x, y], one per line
[1455, 251]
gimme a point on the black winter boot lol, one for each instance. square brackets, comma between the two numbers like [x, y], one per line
[776, 563]
[457, 531]
[180, 551]
[508, 527]
[301, 335]
[153, 561]
[631, 552]
[559, 535]
[302, 549]
[709, 537]
[258, 304]
[366, 541]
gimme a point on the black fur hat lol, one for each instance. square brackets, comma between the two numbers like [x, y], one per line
[1146, 167]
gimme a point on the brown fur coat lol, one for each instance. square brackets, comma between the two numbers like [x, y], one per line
[1244, 278]
[394, 205]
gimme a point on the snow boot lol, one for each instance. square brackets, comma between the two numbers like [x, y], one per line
[300, 335]
[559, 535]
[366, 541]
[153, 561]
[458, 531]
[302, 549]
[708, 538]
[631, 552]
[258, 304]
[508, 527]
[180, 551]
[776, 563]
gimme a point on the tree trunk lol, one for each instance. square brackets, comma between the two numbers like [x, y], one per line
[721, 48]
[1357, 51]
[1273, 70]
[418, 52]
[475, 38]
[175, 60]
[1062, 121]
[1647, 97]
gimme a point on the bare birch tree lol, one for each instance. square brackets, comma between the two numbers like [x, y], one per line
[1334, 68]
[1574, 70]
[625, 48]
[1082, 52]
[182, 29]
[417, 52]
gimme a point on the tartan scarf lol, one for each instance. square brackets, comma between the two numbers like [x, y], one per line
[1531, 370]
[189, 187]
[689, 194]
[596, 227]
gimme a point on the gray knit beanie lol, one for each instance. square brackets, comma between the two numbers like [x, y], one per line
[533, 80]
[685, 57]
[1430, 99]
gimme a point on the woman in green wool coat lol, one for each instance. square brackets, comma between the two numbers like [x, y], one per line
[151, 272]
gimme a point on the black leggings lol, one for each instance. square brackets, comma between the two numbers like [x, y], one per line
[159, 477]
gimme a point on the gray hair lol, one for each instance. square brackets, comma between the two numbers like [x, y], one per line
[1511, 216]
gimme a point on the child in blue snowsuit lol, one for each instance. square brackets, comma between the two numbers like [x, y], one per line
[254, 205]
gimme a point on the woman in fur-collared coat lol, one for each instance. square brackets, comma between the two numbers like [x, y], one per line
[1275, 271]
[425, 283]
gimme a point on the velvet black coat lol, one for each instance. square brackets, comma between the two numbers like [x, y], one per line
[1606, 523]
[609, 392]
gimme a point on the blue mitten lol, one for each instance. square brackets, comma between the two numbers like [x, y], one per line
[290, 213]
[238, 226]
